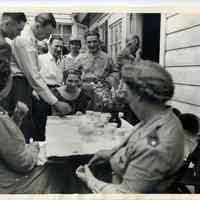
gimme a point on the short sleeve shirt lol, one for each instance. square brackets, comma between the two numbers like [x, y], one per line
[100, 65]
[153, 153]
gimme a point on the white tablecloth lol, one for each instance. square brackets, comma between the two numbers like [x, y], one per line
[64, 137]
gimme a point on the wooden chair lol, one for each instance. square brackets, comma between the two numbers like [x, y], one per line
[187, 176]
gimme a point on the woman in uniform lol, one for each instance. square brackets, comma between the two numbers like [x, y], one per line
[148, 159]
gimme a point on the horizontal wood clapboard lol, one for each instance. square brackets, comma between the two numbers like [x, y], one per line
[183, 39]
[183, 57]
[182, 60]
[187, 94]
[186, 75]
[181, 22]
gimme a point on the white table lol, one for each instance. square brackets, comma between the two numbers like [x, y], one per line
[64, 138]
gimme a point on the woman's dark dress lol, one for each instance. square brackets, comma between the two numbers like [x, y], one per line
[81, 103]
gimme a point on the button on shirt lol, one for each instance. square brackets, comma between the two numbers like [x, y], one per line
[25, 63]
[51, 71]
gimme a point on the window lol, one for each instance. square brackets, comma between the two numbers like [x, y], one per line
[67, 29]
[103, 30]
[64, 30]
[115, 38]
[58, 30]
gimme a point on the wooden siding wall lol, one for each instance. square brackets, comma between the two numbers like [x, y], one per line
[182, 59]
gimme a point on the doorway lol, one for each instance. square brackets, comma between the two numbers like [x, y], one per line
[151, 36]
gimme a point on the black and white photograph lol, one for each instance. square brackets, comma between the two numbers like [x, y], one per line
[99, 103]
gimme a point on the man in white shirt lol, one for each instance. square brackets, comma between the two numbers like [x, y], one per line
[25, 70]
[51, 64]
[51, 69]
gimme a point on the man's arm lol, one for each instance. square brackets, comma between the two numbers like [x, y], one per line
[27, 61]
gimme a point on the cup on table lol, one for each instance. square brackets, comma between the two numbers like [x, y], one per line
[105, 117]
[110, 128]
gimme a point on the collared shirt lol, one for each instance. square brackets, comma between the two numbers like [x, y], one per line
[51, 71]
[25, 63]
[68, 61]
[100, 65]
[151, 155]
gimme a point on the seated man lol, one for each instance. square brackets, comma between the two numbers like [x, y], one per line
[147, 160]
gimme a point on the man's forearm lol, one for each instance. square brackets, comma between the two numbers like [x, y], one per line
[27, 62]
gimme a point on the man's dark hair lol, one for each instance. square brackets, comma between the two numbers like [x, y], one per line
[45, 19]
[55, 37]
[92, 33]
[18, 16]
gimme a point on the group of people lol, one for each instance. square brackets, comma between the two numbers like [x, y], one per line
[32, 86]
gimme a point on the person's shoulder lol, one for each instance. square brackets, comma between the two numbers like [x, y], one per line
[43, 56]
[20, 41]
[104, 56]
[124, 52]
[171, 128]
[4, 43]
[81, 57]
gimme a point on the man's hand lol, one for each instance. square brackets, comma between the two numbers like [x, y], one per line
[62, 108]
[34, 93]
[100, 157]
[84, 173]
[138, 55]
[20, 112]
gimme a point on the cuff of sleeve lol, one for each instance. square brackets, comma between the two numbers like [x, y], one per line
[53, 101]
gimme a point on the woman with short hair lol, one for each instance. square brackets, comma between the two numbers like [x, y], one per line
[148, 159]
[72, 93]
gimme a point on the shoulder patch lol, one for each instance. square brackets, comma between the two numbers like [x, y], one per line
[152, 138]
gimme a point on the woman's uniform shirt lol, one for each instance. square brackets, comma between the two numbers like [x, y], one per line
[151, 156]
